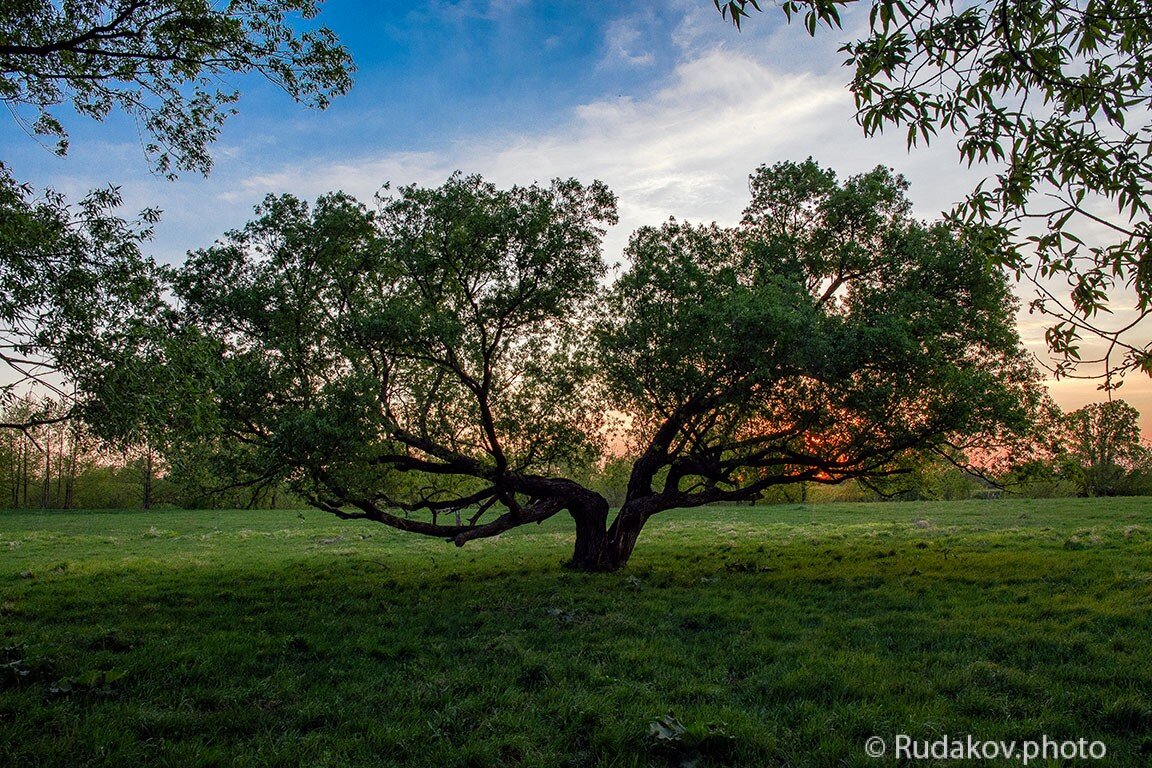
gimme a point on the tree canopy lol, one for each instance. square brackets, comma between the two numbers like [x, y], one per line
[1102, 445]
[161, 62]
[817, 341]
[446, 363]
[1055, 96]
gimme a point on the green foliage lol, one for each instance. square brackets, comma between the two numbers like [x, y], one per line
[610, 479]
[58, 464]
[74, 282]
[163, 62]
[120, 484]
[425, 356]
[1096, 450]
[1103, 447]
[1039, 483]
[74, 286]
[1054, 95]
[931, 477]
[827, 337]
[108, 488]
[1138, 480]
[263, 638]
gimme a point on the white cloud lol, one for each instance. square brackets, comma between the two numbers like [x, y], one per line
[621, 38]
[361, 178]
[456, 10]
[684, 150]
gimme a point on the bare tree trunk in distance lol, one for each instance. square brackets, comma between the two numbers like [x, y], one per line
[70, 487]
[24, 470]
[61, 469]
[147, 500]
[45, 496]
[17, 447]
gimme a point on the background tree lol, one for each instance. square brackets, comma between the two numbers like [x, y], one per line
[445, 365]
[1103, 445]
[40, 463]
[73, 279]
[1055, 95]
[161, 62]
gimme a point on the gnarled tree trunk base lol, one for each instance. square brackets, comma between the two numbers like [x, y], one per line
[602, 549]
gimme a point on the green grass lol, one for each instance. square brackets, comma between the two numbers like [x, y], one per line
[777, 636]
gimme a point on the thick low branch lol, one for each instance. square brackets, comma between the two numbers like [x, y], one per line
[34, 422]
[549, 495]
[459, 535]
[463, 464]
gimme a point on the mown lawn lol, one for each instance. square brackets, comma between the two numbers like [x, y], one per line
[777, 636]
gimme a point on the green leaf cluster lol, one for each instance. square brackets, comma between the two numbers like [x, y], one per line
[73, 282]
[824, 338]
[412, 356]
[161, 62]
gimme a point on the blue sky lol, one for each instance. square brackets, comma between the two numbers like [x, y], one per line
[664, 101]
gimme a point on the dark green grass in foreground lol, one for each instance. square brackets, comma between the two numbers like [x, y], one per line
[273, 638]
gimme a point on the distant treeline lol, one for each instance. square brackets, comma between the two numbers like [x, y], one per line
[56, 464]
[1094, 451]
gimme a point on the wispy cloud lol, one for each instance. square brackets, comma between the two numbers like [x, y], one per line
[454, 10]
[684, 150]
[624, 43]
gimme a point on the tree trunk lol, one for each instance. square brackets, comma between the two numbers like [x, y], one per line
[45, 497]
[61, 466]
[17, 474]
[605, 549]
[24, 472]
[73, 449]
[146, 502]
[591, 516]
[625, 531]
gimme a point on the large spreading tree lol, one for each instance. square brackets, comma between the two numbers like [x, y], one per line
[1054, 96]
[446, 363]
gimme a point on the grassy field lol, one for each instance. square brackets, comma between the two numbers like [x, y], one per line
[774, 636]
